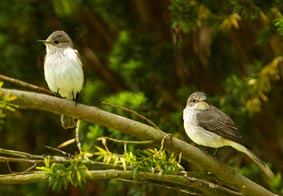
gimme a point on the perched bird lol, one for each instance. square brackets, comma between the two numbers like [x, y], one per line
[63, 70]
[208, 126]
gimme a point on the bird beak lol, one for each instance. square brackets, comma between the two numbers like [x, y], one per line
[202, 105]
[44, 41]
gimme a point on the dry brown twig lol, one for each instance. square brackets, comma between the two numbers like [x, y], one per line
[25, 84]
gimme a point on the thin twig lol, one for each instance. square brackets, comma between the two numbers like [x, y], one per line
[25, 84]
[133, 112]
[55, 159]
[159, 185]
[162, 141]
[103, 140]
[9, 167]
[125, 141]
[60, 151]
[29, 169]
[19, 154]
[79, 145]
[20, 160]
[66, 143]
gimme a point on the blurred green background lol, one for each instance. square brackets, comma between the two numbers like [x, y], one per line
[149, 56]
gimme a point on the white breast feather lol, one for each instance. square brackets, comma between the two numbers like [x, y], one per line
[63, 73]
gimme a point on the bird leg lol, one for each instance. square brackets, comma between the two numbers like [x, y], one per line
[57, 94]
[76, 97]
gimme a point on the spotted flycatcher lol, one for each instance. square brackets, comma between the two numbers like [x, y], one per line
[208, 126]
[63, 70]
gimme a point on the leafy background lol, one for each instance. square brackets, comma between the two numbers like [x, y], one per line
[150, 56]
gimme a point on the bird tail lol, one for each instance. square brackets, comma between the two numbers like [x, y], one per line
[67, 122]
[257, 160]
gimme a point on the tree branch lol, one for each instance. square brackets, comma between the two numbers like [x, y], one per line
[25, 84]
[142, 131]
[198, 184]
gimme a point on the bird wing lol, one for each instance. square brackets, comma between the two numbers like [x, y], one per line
[218, 122]
[79, 57]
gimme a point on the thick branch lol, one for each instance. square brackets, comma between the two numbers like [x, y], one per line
[209, 188]
[93, 114]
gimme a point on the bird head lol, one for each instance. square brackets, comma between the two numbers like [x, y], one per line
[58, 39]
[197, 100]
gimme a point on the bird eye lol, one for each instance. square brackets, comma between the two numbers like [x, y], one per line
[56, 42]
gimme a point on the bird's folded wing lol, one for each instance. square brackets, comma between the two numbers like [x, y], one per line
[218, 122]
